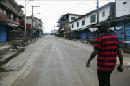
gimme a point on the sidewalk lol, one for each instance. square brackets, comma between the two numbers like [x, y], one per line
[3, 49]
[6, 54]
[17, 60]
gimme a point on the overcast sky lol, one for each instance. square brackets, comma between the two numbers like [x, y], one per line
[51, 10]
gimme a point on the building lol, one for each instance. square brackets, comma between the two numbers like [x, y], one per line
[40, 26]
[35, 23]
[122, 8]
[118, 13]
[122, 21]
[10, 18]
[29, 22]
[63, 24]
[34, 26]
[84, 26]
[54, 32]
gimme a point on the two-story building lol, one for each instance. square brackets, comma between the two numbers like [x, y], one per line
[10, 17]
[122, 21]
[38, 26]
[63, 24]
[84, 26]
[34, 25]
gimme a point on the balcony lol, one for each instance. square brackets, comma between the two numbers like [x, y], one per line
[7, 5]
[4, 18]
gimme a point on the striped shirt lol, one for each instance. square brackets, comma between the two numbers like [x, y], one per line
[107, 45]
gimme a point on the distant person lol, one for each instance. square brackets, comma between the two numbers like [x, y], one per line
[106, 48]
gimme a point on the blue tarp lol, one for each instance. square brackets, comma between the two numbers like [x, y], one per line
[123, 32]
[2, 33]
[85, 35]
[127, 28]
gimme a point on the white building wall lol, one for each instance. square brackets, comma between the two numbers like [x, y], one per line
[74, 26]
[122, 9]
[29, 21]
[72, 16]
[107, 14]
[70, 25]
[80, 23]
[36, 23]
[87, 19]
[40, 27]
[87, 22]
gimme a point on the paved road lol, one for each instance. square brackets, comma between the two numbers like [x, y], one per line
[56, 62]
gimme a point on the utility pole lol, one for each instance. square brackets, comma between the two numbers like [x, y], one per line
[97, 11]
[97, 2]
[25, 16]
[33, 14]
[32, 17]
[25, 20]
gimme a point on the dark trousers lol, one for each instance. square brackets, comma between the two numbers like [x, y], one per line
[104, 78]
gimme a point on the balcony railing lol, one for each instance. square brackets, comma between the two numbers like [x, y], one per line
[4, 18]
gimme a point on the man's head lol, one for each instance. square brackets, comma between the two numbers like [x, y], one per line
[103, 26]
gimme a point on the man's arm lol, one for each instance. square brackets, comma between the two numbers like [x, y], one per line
[93, 54]
[97, 47]
[120, 56]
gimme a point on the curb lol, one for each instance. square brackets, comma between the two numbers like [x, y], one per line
[7, 59]
[3, 50]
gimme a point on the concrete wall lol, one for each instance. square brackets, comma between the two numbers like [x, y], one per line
[80, 24]
[122, 7]
[107, 13]
[72, 16]
[29, 20]
[87, 18]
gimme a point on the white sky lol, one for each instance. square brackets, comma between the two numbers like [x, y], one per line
[51, 10]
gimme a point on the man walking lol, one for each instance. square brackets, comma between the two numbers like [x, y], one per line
[106, 48]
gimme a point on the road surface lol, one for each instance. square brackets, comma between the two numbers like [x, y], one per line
[54, 61]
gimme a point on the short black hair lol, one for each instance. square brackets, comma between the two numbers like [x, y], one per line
[103, 26]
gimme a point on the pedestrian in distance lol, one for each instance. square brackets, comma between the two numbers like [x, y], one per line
[106, 48]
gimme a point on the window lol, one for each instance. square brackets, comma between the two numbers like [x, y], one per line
[124, 2]
[83, 22]
[72, 18]
[103, 13]
[72, 26]
[77, 24]
[93, 18]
